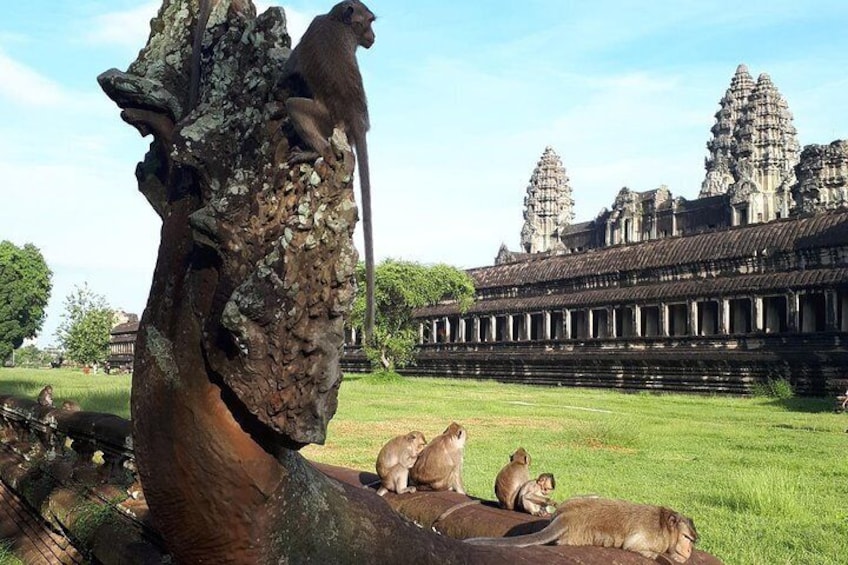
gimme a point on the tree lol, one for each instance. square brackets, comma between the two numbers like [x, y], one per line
[400, 288]
[31, 356]
[86, 325]
[25, 284]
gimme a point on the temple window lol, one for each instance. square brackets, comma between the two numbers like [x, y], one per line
[813, 312]
[740, 316]
[775, 313]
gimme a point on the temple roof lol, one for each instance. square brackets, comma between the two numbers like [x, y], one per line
[651, 293]
[788, 235]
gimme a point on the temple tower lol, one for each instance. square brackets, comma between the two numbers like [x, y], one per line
[731, 107]
[753, 151]
[548, 206]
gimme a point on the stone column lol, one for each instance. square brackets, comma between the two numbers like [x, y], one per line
[527, 333]
[692, 322]
[546, 330]
[758, 315]
[352, 336]
[434, 336]
[447, 329]
[476, 330]
[724, 316]
[637, 320]
[590, 323]
[663, 321]
[793, 312]
[566, 324]
[460, 332]
[509, 327]
[831, 309]
[493, 328]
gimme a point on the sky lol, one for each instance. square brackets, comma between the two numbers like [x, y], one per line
[463, 97]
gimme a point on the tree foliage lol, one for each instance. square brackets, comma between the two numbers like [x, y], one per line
[25, 284]
[401, 287]
[86, 325]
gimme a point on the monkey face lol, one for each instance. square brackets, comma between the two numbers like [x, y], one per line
[681, 549]
[357, 15]
[417, 443]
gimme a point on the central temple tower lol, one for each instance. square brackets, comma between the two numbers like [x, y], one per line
[753, 151]
[548, 206]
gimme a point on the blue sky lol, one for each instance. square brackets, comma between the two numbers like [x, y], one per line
[464, 97]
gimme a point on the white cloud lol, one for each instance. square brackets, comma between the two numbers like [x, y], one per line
[24, 86]
[128, 28]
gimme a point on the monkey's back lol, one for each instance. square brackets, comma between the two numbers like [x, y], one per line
[612, 523]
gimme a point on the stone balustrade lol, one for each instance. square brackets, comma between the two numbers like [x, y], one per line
[77, 471]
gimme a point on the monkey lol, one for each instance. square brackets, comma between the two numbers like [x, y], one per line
[71, 406]
[325, 63]
[395, 460]
[534, 496]
[439, 466]
[511, 477]
[644, 529]
[45, 397]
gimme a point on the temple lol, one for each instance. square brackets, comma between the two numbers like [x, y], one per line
[748, 282]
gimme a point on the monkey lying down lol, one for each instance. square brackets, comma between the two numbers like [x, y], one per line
[648, 530]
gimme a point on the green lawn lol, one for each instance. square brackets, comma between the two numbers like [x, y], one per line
[764, 480]
[97, 393]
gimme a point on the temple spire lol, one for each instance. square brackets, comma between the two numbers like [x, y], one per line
[548, 206]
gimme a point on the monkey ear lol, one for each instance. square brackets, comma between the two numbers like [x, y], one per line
[673, 518]
[347, 15]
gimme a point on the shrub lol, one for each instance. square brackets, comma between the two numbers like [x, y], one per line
[780, 389]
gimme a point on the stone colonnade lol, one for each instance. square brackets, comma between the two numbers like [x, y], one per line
[791, 312]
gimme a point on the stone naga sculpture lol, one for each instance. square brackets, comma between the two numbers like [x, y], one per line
[237, 355]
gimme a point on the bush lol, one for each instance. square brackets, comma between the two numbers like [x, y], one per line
[780, 389]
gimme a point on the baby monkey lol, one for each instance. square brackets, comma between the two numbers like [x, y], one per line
[395, 460]
[534, 496]
[45, 397]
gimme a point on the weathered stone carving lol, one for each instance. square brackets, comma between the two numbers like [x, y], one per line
[822, 178]
[753, 151]
[237, 356]
[721, 146]
[548, 206]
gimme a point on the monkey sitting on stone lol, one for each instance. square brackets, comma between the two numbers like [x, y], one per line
[395, 460]
[439, 466]
[45, 397]
[330, 94]
[512, 477]
[534, 496]
[648, 530]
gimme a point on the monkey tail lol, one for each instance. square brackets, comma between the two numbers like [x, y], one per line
[197, 45]
[365, 190]
[551, 533]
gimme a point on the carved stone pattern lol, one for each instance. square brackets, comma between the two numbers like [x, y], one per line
[549, 206]
[720, 147]
[822, 178]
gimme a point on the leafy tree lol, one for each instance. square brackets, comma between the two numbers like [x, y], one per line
[86, 325]
[31, 356]
[25, 284]
[401, 287]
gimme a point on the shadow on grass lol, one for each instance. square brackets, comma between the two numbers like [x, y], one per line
[805, 404]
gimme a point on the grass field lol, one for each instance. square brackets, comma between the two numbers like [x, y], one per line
[766, 481]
